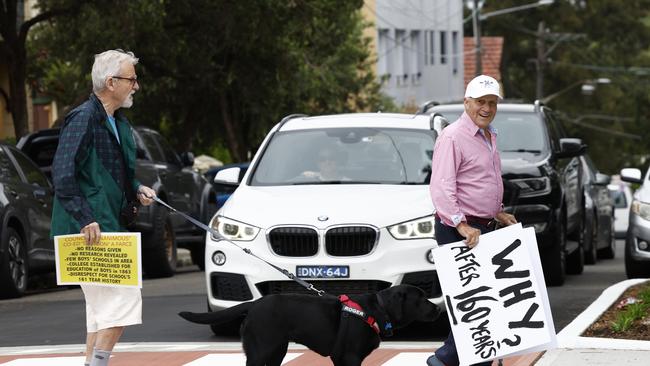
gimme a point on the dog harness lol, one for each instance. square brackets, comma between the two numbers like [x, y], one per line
[352, 307]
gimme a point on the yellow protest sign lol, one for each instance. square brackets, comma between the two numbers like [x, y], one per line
[115, 261]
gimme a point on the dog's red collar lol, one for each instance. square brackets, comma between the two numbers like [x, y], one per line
[354, 308]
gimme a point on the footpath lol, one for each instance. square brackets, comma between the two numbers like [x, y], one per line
[573, 349]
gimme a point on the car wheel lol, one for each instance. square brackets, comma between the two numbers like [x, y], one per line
[197, 253]
[609, 252]
[634, 268]
[13, 265]
[554, 259]
[159, 259]
[591, 241]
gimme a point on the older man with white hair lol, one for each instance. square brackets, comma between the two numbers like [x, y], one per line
[466, 184]
[95, 190]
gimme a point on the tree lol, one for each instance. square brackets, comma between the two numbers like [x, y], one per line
[219, 72]
[588, 40]
[14, 29]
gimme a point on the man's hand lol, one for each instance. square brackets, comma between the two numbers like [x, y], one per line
[469, 233]
[92, 234]
[505, 218]
[146, 195]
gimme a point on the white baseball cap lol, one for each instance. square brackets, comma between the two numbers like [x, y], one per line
[483, 85]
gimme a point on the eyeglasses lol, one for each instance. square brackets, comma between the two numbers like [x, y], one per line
[132, 80]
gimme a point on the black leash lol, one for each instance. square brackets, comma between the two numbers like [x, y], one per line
[220, 237]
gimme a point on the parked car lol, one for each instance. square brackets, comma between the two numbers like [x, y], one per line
[541, 163]
[637, 239]
[367, 229]
[224, 191]
[622, 197]
[25, 214]
[599, 213]
[170, 175]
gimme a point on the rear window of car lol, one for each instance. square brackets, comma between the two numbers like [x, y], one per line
[619, 199]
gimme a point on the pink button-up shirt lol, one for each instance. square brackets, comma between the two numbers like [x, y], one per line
[465, 173]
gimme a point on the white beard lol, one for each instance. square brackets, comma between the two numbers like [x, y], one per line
[128, 102]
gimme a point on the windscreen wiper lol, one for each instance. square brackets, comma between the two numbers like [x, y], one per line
[524, 150]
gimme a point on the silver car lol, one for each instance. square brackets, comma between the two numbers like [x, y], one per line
[637, 240]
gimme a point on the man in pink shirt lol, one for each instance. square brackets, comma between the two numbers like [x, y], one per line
[466, 185]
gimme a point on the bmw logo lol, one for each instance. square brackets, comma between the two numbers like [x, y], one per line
[323, 218]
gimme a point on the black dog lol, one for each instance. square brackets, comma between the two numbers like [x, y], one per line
[323, 324]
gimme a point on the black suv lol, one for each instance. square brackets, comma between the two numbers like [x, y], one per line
[543, 177]
[171, 176]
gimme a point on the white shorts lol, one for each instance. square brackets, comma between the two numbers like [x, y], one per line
[108, 307]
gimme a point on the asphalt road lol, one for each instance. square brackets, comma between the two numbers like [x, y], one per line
[56, 316]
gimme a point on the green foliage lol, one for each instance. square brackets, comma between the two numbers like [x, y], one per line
[217, 73]
[602, 39]
[633, 312]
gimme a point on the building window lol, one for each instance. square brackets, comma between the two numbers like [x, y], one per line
[432, 52]
[454, 51]
[415, 66]
[384, 55]
[443, 47]
[401, 57]
[426, 47]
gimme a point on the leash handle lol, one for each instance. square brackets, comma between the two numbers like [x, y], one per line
[220, 237]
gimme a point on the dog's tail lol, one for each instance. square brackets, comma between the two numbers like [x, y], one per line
[218, 317]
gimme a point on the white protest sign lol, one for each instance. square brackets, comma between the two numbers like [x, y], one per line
[495, 295]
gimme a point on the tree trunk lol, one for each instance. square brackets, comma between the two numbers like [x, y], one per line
[231, 133]
[18, 92]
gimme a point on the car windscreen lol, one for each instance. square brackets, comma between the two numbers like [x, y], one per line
[518, 133]
[346, 156]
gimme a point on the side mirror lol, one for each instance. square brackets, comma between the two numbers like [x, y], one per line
[602, 179]
[187, 158]
[228, 177]
[631, 175]
[571, 147]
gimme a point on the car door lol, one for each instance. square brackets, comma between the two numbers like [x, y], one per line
[571, 172]
[169, 171]
[35, 194]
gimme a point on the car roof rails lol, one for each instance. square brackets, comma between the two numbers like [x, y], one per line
[442, 121]
[424, 107]
[538, 105]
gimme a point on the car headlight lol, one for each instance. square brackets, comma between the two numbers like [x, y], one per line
[641, 209]
[531, 187]
[421, 228]
[233, 230]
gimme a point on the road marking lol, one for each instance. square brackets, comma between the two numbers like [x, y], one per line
[408, 358]
[234, 359]
[49, 361]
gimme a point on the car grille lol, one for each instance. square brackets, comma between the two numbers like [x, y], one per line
[350, 241]
[331, 287]
[229, 286]
[426, 280]
[294, 241]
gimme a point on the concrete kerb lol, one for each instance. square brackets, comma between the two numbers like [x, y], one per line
[578, 350]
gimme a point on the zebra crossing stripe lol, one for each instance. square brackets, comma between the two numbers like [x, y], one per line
[230, 359]
[49, 361]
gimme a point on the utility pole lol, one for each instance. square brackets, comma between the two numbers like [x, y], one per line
[541, 61]
[476, 23]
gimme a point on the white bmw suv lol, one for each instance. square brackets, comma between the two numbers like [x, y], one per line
[342, 201]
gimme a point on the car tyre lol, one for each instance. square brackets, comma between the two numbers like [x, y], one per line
[13, 265]
[634, 268]
[610, 251]
[554, 259]
[197, 252]
[160, 256]
[591, 241]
